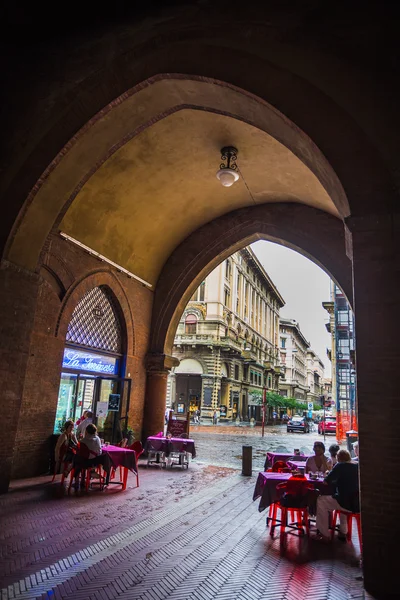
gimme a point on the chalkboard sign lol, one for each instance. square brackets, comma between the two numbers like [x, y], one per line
[207, 396]
[113, 402]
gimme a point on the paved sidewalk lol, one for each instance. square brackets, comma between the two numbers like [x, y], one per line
[181, 535]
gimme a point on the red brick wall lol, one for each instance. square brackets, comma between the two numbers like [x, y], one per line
[69, 273]
[18, 291]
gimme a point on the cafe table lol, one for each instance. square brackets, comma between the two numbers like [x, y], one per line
[121, 457]
[266, 487]
[163, 444]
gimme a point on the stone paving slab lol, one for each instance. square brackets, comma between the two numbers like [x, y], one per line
[209, 544]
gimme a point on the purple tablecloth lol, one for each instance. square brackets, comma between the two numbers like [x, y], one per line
[266, 487]
[121, 457]
[172, 445]
[273, 457]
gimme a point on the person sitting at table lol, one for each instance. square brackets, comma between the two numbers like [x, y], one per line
[92, 440]
[318, 462]
[333, 450]
[90, 454]
[80, 432]
[344, 478]
[65, 447]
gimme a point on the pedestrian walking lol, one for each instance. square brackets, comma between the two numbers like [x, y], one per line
[215, 418]
[274, 415]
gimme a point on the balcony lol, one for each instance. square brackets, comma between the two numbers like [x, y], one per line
[228, 343]
[190, 339]
[249, 356]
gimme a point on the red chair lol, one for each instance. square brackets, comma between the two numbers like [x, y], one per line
[85, 472]
[297, 486]
[280, 466]
[64, 466]
[350, 517]
[63, 463]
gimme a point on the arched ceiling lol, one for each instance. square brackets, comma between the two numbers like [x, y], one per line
[140, 176]
[161, 185]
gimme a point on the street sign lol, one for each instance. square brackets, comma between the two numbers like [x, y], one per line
[310, 405]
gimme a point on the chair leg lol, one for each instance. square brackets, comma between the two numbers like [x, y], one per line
[274, 508]
[358, 519]
[333, 522]
[125, 479]
[306, 521]
[71, 480]
[283, 522]
[349, 527]
[87, 484]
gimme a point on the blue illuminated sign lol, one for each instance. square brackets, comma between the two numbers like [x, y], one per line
[81, 360]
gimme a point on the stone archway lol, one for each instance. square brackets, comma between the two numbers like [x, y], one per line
[315, 234]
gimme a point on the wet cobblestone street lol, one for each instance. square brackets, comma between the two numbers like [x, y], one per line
[222, 444]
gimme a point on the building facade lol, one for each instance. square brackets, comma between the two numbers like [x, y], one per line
[342, 355]
[227, 342]
[315, 377]
[293, 348]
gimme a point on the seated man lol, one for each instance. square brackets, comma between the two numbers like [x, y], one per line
[90, 454]
[80, 432]
[344, 477]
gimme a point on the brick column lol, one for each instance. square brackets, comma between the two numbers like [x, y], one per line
[18, 297]
[377, 301]
[157, 367]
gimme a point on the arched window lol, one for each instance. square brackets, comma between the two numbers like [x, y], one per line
[95, 322]
[191, 324]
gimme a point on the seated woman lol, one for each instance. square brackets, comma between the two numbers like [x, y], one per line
[66, 444]
[318, 462]
[333, 450]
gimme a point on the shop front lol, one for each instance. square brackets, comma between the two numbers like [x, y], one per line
[92, 367]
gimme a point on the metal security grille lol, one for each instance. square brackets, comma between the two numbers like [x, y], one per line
[95, 322]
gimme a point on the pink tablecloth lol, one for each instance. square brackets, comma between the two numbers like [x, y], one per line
[121, 457]
[173, 444]
[266, 487]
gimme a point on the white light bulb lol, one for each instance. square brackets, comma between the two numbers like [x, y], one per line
[227, 177]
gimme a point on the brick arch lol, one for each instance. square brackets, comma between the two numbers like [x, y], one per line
[315, 234]
[96, 279]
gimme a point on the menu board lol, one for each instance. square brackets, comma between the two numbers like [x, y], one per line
[177, 428]
[113, 402]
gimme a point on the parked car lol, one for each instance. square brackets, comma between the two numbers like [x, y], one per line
[298, 424]
[327, 425]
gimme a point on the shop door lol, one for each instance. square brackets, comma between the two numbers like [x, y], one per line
[111, 408]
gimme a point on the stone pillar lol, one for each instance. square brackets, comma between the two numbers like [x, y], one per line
[18, 297]
[157, 367]
[376, 261]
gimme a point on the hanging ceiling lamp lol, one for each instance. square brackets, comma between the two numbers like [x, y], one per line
[227, 173]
